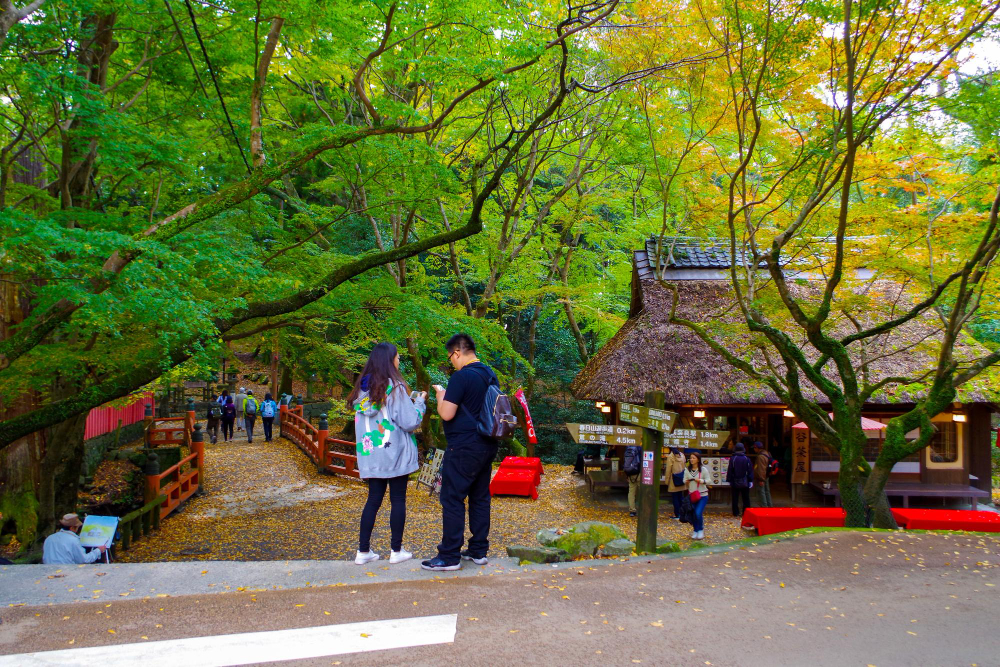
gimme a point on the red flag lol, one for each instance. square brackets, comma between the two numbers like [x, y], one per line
[519, 395]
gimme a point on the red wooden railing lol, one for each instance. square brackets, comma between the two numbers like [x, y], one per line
[316, 443]
[157, 435]
[105, 418]
[181, 481]
[176, 483]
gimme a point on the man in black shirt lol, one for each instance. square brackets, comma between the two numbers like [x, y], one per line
[468, 459]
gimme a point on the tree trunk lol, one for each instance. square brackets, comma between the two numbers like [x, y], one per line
[61, 466]
[532, 346]
[874, 495]
[423, 384]
[286, 380]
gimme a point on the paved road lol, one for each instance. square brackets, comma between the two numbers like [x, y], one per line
[830, 599]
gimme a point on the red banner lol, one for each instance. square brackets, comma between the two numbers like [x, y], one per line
[519, 395]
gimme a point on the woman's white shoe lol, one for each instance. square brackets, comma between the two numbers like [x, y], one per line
[400, 556]
[363, 558]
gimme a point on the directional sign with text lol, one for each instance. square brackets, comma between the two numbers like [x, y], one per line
[696, 438]
[658, 420]
[605, 434]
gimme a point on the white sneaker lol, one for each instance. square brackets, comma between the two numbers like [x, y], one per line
[363, 558]
[399, 556]
[701, 534]
[694, 535]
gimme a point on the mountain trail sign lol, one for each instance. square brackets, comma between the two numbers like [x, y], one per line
[605, 434]
[658, 420]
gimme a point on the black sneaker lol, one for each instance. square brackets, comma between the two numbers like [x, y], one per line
[437, 564]
[480, 560]
[631, 512]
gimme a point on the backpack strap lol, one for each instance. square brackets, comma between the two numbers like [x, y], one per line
[489, 381]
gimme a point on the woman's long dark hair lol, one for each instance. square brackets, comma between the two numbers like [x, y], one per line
[380, 370]
[689, 462]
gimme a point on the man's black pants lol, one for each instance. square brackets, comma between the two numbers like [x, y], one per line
[743, 493]
[465, 473]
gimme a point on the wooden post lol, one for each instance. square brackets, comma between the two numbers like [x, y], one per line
[198, 447]
[648, 501]
[322, 432]
[282, 411]
[152, 472]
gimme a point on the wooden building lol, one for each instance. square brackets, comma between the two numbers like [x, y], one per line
[648, 353]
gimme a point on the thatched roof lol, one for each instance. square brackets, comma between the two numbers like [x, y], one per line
[648, 353]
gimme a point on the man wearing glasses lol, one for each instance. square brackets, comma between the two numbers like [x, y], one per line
[468, 459]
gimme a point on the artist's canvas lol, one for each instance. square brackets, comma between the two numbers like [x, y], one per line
[98, 531]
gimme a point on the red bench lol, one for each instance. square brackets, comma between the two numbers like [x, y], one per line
[768, 520]
[523, 462]
[515, 482]
[979, 521]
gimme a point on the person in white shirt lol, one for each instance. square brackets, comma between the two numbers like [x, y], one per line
[695, 476]
[63, 546]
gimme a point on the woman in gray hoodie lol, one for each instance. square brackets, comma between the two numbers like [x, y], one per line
[385, 417]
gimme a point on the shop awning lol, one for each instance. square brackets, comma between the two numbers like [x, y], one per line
[866, 424]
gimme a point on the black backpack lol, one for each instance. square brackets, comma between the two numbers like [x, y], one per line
[216, 412]
[496, 418]
[633, 460]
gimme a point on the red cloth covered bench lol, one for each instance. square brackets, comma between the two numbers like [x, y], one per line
[979, 521]
[769, 520]
[525, 462]
[515, 482]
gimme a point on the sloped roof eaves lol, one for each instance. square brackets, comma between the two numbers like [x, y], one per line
[649, 354]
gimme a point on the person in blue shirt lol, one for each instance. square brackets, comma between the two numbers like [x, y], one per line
[468, 459]
[268, 411]
[63, 546]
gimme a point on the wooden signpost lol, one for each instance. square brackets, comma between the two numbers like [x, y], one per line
[648, 501]
[605, 434]
[696, 438]
[640, 415]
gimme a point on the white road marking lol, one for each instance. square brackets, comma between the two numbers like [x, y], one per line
[255, 647]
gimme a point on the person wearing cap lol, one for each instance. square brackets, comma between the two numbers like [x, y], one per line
[239, 400]
[63, 546]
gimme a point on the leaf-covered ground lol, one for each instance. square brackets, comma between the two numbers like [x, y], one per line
[266, 501]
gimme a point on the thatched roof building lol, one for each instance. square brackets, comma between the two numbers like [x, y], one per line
[650, 354]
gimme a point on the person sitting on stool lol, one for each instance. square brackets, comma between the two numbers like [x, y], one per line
[63, 546]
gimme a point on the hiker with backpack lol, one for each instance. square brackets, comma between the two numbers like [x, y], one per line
[763, 468]
[385, 417]
[740, 477]
[239, 401]
[268, 409]
[250, 409]
[470, 407]
[632, 468]
[228, 419]
[212, 420]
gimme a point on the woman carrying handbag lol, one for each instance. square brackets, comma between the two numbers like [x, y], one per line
[694, 477]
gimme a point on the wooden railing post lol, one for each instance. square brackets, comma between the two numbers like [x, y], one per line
[198, 447]
[322, 433]
[152, 472]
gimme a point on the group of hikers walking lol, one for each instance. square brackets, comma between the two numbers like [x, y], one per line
[241, 412]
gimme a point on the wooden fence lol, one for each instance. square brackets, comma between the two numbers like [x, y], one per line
[139, 523]
[316, 442]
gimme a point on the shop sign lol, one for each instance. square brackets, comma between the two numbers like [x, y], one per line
[800, 455]
[651, 418]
